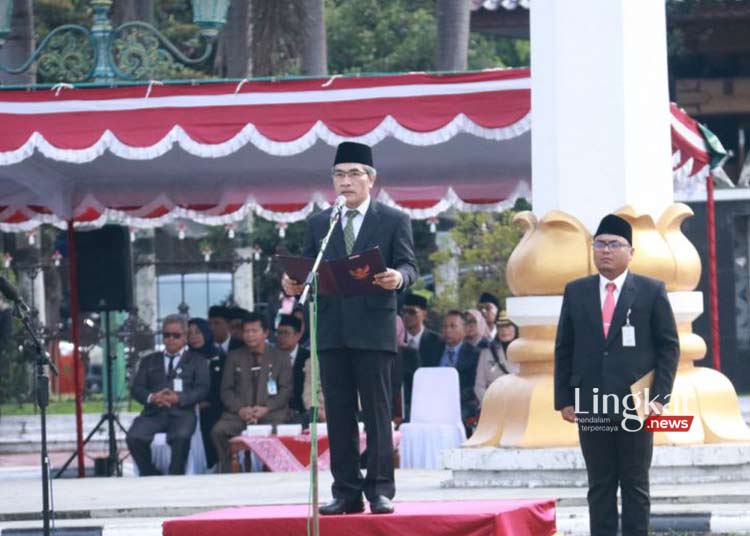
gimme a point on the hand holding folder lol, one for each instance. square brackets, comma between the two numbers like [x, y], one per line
[343, 277]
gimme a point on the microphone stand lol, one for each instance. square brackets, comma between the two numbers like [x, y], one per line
[335, 217]
[311, 284]
[42, 398]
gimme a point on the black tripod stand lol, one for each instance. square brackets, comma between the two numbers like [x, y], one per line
[110, 418]
[42, 399]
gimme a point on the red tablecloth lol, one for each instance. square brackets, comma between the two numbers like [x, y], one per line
[292, 453]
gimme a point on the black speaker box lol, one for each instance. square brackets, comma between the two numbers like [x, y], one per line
[104, 269]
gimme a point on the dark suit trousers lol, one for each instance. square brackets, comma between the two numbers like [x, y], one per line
[179, 426]
[343, 374]
[618, 458]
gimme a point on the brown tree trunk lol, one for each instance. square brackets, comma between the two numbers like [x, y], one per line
[130, 10]
[314, 47]
[233, 58]
[453, 34]
[20, 44]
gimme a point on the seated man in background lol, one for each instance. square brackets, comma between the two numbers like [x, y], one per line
[237, 317]
[255, 388]
[169, 384]
[427, 343]
[463, 357]
[489, 306]
[220, 318]
[288, 335]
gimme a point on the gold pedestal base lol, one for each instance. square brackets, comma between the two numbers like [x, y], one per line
[518, 410]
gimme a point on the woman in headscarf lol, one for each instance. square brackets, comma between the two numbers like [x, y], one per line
[493, 361]
[477, 333]
[201, 340]
[507, 331]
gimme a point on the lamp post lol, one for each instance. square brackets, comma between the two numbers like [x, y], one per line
[132, 51]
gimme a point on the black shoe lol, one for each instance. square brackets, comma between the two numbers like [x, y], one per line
[381, 505]
[341, 506]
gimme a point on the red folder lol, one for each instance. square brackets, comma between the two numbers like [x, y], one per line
[344, 277]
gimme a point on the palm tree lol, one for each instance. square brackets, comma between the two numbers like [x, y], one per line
[453, 34]
[277, 31]
[129, 10]
[233, 56]
[314, 48]
[20, 44]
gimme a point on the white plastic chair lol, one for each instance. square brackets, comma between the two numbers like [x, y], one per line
[435, 422]
[288, 429]
[161, 452]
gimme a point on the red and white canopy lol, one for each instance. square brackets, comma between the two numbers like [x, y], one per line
[144, 155]
[690, 156]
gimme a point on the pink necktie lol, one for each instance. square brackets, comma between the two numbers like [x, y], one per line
[609, 307]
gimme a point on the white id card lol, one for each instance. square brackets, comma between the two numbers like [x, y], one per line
[272, 389]
[628, 336]
[177, 383]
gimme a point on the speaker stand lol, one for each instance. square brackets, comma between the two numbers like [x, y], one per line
[113, 461]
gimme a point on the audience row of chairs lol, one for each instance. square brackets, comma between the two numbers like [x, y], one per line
[435, 425]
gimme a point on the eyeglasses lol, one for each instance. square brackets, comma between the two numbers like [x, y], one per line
[284, 332]
[352, 174]
[171, 335]
[612, 245]
[409, 310]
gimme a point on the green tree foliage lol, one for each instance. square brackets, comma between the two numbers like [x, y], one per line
[14, 362]
[400, 35]
[484, 242]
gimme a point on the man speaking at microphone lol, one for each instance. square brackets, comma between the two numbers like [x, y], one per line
[357, 335]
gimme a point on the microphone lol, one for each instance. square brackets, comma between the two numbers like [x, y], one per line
[337, 207]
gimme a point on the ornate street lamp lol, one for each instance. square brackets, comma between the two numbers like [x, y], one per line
[132, 51]
[6, 13]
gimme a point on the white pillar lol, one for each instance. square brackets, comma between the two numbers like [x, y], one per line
[243, 280]
[446, 280]
[145, 291]
[600, 107]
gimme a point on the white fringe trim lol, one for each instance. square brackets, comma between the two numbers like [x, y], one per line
[138, 220]
[389, 127]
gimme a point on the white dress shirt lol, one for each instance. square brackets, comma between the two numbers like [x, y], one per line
[619, 281]
[175, 363]
[225, 345]
[412, 341]
[293, 354]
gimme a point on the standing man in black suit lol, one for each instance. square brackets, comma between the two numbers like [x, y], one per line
[614, 328]
[288, 335]
[169, 384]
[357, 336]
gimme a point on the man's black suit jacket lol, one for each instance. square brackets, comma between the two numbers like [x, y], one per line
[430, 349]
[152, 377]
[363, 322]
[584, 359]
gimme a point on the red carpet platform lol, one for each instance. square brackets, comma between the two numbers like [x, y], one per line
[458, 518]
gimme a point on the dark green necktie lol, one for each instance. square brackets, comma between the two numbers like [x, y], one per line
[349, 231]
